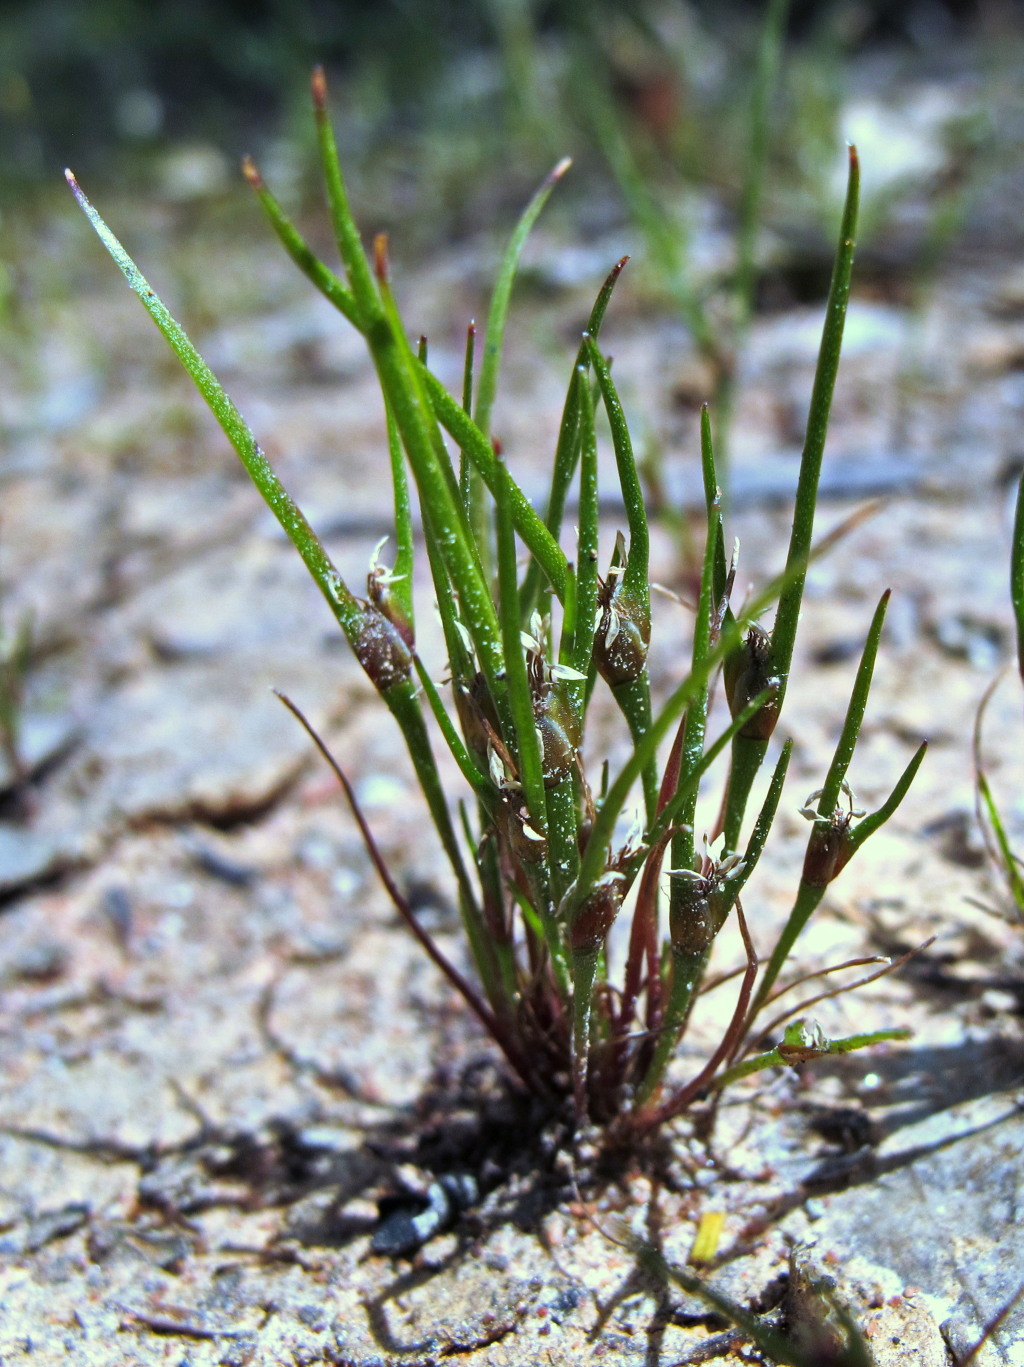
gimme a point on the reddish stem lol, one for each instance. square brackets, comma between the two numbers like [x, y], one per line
[643, 937]
[473, 999]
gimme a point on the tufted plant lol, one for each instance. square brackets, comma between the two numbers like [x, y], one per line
[544, 862]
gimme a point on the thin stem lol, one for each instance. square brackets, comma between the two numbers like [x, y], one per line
[788, 613]
[635, 578]
[775, 1059]
[1017, 574]
[678, 1102]
[346, 608]
[497, 315]
[483, 1012]
[527, 738]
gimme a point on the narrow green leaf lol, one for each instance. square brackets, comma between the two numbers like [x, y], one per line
[774, 1059]
[471, 772]
[763, 824]
[809, 895]
[346, 608]
[847, 742]
[401, 377]
[465, 468]
[400, 585]
[357, 267]
[472, 442]
[696, 713]
[581, 648]
[636, 578]
[680, 806]
[1017, 574]
[497, 315]
[520, 699]
[869, 824]
[299, 250]
[567, 446]
[788, 613]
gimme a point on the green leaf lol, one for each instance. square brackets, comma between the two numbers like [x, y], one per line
[497, 315]
[346, 608]
[788, 613]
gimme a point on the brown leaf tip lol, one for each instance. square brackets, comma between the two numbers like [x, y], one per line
[319, 87]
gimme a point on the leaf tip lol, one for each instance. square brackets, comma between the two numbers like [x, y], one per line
[251, 173]
[318, 84]
[381, 263]
[559, 171]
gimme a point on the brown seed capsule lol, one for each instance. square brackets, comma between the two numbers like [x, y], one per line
[526, 844]
[691, 920]
[596, 916]
[828, 850]
[477, 713]
[748, 672]
[381, 650]
[559, 730]
[623, 635]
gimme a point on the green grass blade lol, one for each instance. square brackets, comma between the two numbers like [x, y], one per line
[763, 824]
[1008, 861]
[465, 468]
[788, 613]
[696, 713]
[567, 446]
[399, 373]
[847, 742]
[585, 604]
[401, 376]
[871, 823]
[777, 1058]
[497, 315]
[346, 608]
[681, 803]
[400, 579]
[528, 749]
[712, 508]
[471, 772]
[636, 578]
[644, 752]
[809, 894]
[299, 250]
[472, 442]
[614, 799]
[1017, 574]
[357, 266]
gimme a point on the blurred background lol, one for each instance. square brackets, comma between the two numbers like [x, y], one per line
[434, 96]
